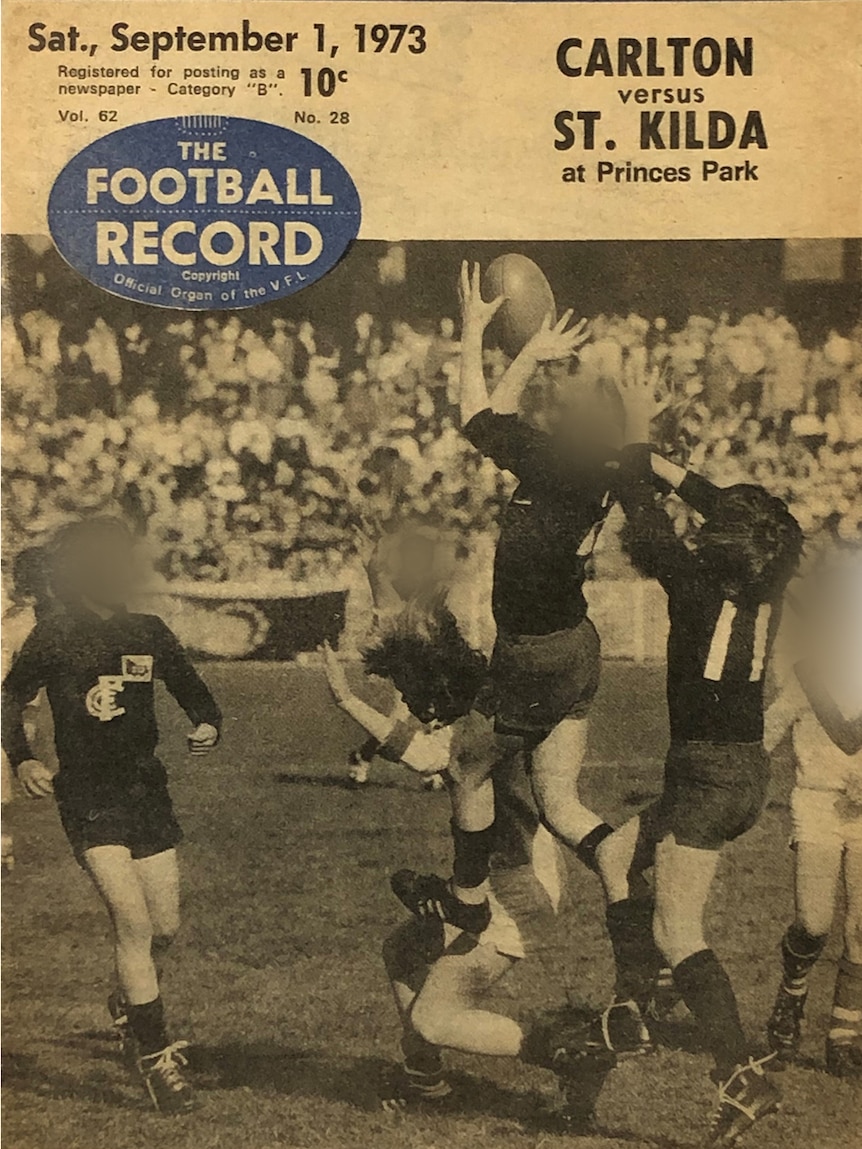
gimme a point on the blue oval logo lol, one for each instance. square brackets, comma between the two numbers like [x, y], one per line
[203, 212]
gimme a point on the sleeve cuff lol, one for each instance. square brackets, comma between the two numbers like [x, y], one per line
[635, 460]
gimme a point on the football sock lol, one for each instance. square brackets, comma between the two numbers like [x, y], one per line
[367, 751]
[147, 1023]
[420, 1057]
[585, 851]
[706, 990]
[846, 1023]
[799, 951]
[473, 849]
[636, 955]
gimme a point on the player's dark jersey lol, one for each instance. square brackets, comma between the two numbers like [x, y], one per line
[718, 645]
[548, 528]
[99, 675]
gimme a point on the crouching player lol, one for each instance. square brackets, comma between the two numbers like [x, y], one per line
[439, 997]
[440, 678]
[821, 706]
[724, 602]
[99, 664]
[468, 933]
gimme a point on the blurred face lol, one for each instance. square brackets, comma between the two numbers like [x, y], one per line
[587, 416]
[415, 565]
[833, 627]
[104, 568]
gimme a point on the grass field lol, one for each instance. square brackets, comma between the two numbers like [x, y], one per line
[276, 977]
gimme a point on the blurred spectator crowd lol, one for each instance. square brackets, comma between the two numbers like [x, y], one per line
[250, 448]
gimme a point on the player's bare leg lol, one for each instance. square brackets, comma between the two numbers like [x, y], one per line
[556, 767]
[462, 901]
[159, 877]
[449, 991]
[447, 1014]
[844, 1045]
[129, 889]
[116, 878]
[683, 877]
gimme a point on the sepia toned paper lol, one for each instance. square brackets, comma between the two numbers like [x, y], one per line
[431, 570]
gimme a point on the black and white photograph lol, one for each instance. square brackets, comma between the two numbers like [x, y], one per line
[464, 569]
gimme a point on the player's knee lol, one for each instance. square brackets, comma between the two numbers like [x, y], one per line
[431, 1020]
[133, 928]
[816, 920]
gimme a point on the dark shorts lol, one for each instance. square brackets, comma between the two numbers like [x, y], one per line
[539, 680]
[141, 819]
[712, 793]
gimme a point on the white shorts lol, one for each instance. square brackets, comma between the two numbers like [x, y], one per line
[523, 915]
[826, 817]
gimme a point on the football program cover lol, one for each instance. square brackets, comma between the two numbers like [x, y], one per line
[432, 574]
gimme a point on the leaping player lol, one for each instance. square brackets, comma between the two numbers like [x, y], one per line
[724, 603]
[546, 662]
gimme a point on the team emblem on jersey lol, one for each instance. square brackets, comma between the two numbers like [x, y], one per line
[138, 667]
[102, 698]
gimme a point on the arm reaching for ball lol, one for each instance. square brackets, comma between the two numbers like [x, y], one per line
[551, 343]
[476, 314]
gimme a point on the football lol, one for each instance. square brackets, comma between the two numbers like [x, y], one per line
[528, 300]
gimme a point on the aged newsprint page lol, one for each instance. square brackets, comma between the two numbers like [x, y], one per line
[432, 574]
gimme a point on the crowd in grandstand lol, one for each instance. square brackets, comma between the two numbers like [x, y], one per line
[247, 450]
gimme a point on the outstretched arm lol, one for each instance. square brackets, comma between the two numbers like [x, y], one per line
[476, 314]
[369, 545]
[653, 544]
[426, 752]
[780, 715]
[644, 399]
[551, 343]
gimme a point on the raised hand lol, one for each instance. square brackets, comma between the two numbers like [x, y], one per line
[553, 341]
[476, 314]
[645, 395]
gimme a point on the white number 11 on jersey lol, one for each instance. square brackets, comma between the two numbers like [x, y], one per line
[720, 643]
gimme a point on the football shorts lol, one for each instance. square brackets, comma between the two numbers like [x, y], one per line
[522, 915]
[712, 793]
[539, 680]
[825, 817]
[141, 818]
